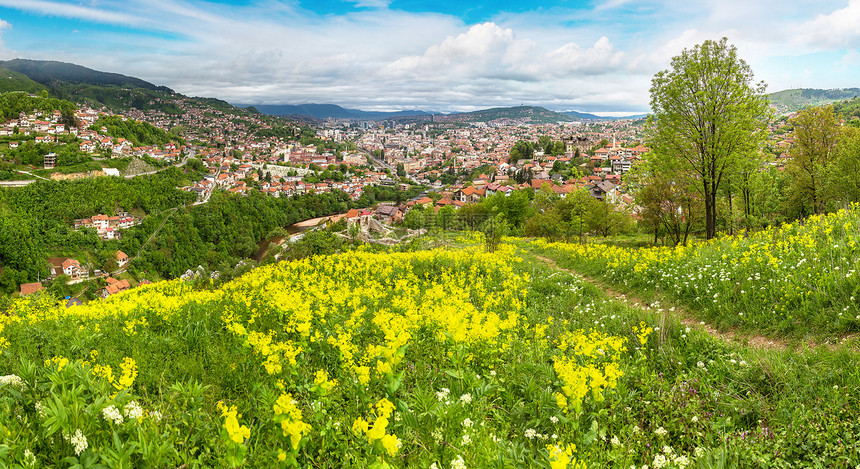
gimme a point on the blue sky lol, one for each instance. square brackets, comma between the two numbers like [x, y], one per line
[596, 56]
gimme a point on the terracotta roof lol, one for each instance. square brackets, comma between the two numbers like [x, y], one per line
[27, 288]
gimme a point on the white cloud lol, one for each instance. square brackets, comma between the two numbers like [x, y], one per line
[599, 59]
[600, 55]
[837, 29]
[484, 50]
[49, 8]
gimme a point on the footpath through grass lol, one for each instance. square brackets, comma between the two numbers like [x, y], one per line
[445, 358]
[797, 281]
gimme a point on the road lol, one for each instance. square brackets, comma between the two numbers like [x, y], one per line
[382, 164]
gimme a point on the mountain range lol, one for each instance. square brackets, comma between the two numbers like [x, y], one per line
[533, 114]
[120, 92]
[326, 111]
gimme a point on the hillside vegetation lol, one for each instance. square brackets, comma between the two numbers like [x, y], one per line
[11, 80]
[797, 99]
[439, 358]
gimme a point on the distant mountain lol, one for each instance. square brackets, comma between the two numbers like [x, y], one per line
[797, 99]
[533, 114]
[594, 117]
[327, 111]
[524, 114]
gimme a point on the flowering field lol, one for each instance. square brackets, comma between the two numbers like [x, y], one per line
[796, 279]
[432, 359]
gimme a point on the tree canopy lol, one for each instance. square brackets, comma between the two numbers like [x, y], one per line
[708, 115]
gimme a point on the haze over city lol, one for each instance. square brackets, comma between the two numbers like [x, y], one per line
[445, 56]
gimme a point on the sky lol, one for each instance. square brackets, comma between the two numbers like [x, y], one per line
[445, 55]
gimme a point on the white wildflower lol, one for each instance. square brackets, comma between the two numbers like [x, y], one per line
[156, 415]
[12, 380]
[668, 449]
[695, 418]
[660, 431]
[615, 441]
[79, 441]
[133, 410]
[682, 461]
[660, 461]
[458, 463]
[467, 440]
[443, 394]
[699, 452]
[635, 429]
[29, 458]
[437, 435]
[553, 419]
[466, 398]
[111, 413]
[492, 372]
[530, 433]
[468, 423]
[40, 408]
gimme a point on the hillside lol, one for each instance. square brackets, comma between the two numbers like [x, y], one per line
[432, 358]
[11, 80]
[797, 99]
[523, 114]
[48, 72]
[94, 88]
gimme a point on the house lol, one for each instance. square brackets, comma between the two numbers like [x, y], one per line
[599, 190]
[388, 213]
[101, 222]
[121, 259]
[469, 194]
[114, 286]
[28, 288]
[72, 268]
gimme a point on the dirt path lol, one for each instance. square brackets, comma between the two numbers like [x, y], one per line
[757, 341]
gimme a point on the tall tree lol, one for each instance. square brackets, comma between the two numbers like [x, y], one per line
[816, 135]
[707, 115]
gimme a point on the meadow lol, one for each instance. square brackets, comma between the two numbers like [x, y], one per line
[438, 358]
[795, 281]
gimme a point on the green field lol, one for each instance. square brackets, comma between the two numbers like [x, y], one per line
[445, 357]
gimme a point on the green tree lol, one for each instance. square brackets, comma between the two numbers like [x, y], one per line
[707, 115]
[522, 150]
[494, 229]
[816, 135]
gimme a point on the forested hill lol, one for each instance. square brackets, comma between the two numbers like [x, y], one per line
[10, 80]
[82, 85]
[797, 99]
[49, 72]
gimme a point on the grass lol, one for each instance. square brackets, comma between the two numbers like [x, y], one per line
[462, 385]
[798, 281]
